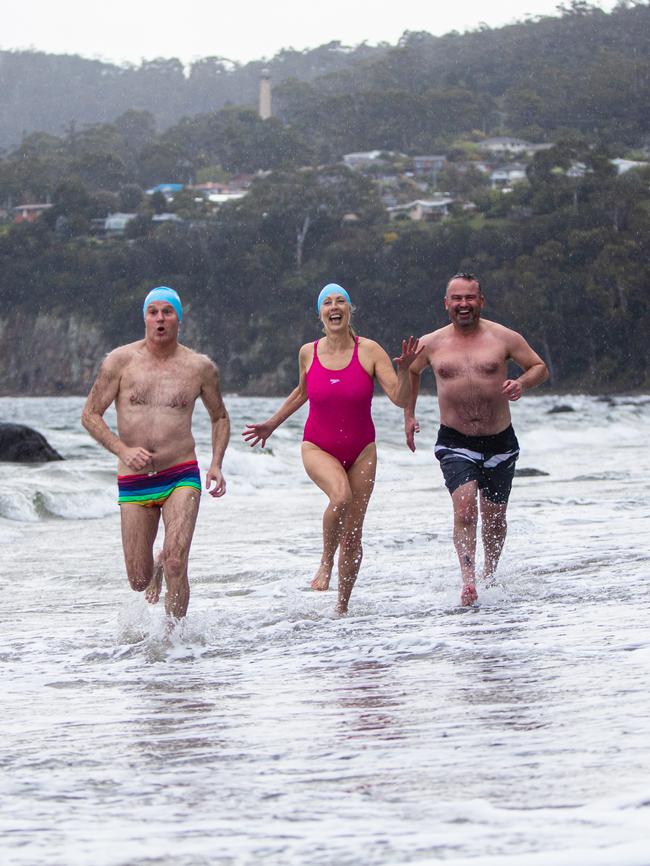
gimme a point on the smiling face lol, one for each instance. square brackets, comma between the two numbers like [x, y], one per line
[464, 303]
[335, 314]
[161, 322]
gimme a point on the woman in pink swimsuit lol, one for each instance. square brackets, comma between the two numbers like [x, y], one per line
[337, 376]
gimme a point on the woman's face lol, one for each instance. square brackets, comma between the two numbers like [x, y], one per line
[335, 314]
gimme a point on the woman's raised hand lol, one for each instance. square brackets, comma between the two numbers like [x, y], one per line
[410, 352]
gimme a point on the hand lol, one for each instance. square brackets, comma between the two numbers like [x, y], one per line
[214, 474]
[410, 352]
[254, 433]
[512, 389]
[411, 427]
[136, 458]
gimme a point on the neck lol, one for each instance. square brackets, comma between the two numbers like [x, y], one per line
[338, 342]
[161, 350]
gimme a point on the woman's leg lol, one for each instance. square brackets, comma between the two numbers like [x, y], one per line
[328, 473]
[361, 477]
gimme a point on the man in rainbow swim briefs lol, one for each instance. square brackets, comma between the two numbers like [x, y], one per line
[337, 375]
[154, 384]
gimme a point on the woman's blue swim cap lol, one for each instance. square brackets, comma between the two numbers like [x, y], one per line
[164, 293]
[331, 289]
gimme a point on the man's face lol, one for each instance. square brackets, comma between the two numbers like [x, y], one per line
[463, 303]
[161, 322]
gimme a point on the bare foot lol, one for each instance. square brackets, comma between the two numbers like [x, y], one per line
[321, 580]
[342, 609]
[468, 595]
[489, 579]
[152, 592]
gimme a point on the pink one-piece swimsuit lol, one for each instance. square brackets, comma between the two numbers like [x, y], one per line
[339, 418]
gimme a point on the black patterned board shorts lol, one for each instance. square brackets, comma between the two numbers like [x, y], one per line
[488, 460]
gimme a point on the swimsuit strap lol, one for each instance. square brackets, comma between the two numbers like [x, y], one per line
[355, 353]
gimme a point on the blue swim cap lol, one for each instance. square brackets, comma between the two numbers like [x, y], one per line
[331, 289]
[163, 293]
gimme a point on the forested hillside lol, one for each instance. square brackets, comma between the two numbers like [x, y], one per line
[562, 254]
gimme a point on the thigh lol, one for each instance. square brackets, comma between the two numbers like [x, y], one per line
[325, 471]
[361, 477]
[139, 529]
[179, 514]
[495, 484]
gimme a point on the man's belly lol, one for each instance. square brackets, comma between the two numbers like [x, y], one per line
[167, 443]
[474, 411]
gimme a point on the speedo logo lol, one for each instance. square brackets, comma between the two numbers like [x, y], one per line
[334, 381]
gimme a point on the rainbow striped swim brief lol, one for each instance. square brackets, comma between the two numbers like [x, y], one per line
[155, 489]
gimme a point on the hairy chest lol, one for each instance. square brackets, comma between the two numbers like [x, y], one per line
[154, 389]
[450, 366]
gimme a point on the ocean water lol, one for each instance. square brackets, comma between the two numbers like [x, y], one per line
[513, 733]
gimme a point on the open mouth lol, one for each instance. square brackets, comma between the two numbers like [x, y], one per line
[336, 317]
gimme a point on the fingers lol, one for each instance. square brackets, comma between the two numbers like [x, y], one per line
[220, 484]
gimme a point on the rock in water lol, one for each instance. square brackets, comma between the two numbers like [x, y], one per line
[20, 444]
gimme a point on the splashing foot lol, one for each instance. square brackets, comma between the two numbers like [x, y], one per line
[321, 580]
[469, 594]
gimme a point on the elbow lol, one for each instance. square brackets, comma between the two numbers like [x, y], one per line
[86, 420]
[545, 374]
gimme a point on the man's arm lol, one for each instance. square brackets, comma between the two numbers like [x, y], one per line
[102, 394]
[411, 426]
[220, 420]
[535, 370]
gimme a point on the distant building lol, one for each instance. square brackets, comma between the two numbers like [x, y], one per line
[169, 190]
[505, 144]
[429, 211]
[507, 175]
[27, 213]
[624, 165]
[428, 166]
[116, 223]
[265, 95]
[362, 159]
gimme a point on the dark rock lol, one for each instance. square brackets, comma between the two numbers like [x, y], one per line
[525, 472]
[20, 444]
[561, 407]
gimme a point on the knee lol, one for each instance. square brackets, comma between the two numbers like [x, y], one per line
[465, 513]
[174, 562]
[340, 501]
[139, 580]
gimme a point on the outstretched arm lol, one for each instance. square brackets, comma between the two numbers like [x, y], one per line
[396, 386]
[102, 394]
[535, 370]
[255, 433]
[411, 426]
[220, 421]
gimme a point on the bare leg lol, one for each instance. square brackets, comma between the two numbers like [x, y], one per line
[152, 592]
[328, 473]
[493, 532]
[139, 529]
[362, 479]
[465, 521]
[179, 516]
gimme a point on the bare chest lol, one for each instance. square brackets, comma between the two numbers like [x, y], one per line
[155, 389]
[453, 365]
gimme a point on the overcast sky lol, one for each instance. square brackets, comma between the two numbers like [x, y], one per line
[241, 30]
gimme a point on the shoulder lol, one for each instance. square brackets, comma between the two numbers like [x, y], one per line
[369, 345]
[203, 364]
[116, 360]
[432, 340]
[503, 334]
[305, 352]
